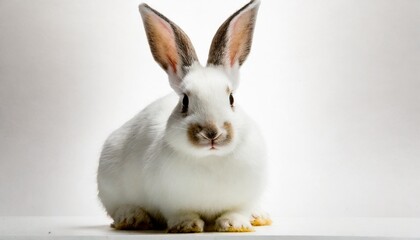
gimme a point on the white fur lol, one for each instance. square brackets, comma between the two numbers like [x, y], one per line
[154, 168]
[150, 163]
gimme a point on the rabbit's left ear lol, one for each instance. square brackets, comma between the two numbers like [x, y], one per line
[232, 42]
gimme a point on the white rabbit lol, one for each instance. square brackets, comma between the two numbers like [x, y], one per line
[193, 157]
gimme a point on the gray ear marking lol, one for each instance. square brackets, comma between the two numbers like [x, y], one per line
[169, 44]
[232, 41]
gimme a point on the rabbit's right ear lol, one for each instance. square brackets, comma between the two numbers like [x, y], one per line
[170, 46]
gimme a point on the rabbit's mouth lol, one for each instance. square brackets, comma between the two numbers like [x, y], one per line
[215, 143]
[210, 146]
[213, 147]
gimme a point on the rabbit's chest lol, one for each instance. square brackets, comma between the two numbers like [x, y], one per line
[209, 188]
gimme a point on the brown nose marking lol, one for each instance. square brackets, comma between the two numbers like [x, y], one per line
[229, 132]
[210, 131]
[193, 131]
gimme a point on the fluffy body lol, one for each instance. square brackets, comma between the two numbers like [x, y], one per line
[149, 162]
[192, 157]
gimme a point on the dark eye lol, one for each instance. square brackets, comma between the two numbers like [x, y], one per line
[231, 99]
[185, 102]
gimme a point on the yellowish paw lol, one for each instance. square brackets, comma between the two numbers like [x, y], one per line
[233, 223]
[261, 221]
[260, 218]
[240, 229]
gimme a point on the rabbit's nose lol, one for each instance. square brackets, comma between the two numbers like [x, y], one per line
[210, 132]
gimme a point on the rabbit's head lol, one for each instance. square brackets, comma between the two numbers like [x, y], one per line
[206, 120]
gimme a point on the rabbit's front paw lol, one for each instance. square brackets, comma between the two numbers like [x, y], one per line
[187, 226]
[233, 223]
[260, 219]
[131, 218]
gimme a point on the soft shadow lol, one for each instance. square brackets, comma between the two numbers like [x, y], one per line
[92, 227]
[106, 229]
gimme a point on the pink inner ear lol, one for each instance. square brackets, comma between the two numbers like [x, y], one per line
[165, 25]
[232, 60]
[232, 51]
[165, 44]
[239, 32]
[172, 63]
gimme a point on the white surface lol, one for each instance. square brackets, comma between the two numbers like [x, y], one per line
[283, 228]
[334, 85]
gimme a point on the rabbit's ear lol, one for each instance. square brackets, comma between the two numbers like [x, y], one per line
[170, 46]
[232, 42]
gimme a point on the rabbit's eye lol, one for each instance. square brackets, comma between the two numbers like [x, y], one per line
[231, 99]
[185, 102]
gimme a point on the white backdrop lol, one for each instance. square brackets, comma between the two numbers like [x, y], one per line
[334, 84]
